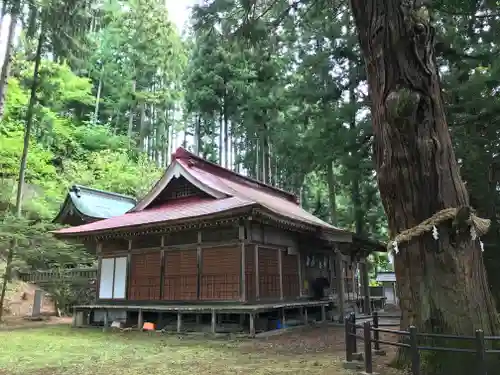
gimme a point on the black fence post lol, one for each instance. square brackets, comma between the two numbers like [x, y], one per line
[415, 355]
[367, 329]
[348, 339]
[376, 336]
[480, 353]
[354, 343]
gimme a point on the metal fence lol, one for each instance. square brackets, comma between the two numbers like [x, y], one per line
[409, 340]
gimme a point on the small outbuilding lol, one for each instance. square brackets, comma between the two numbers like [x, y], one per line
[388, 281]
[84, 205]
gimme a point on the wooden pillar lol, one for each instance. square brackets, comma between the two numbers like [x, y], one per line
[140, 320]
[214, 321]
[179, 322]
[340, 282]
[299, 265]
[198, 266]
[73, 321]
[99, 265]
[394, 290]
[280, 265]
[162, 274]
[365, 285]
[257, 277]
[106, 320]
[128, 272]
[89, 318]
[243, 289]
[252, 325]
[331, 270]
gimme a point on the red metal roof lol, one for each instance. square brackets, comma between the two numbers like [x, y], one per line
[217, 170]
[237, 191]
[272, 201]
[179, 209]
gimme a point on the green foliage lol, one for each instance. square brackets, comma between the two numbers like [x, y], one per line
[35, 247]
[64, 150]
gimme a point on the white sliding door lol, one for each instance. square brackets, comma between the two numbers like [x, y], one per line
[120, 284]
[106, 281]
[113, 281]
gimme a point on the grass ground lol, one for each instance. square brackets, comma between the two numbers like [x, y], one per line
[63, 351]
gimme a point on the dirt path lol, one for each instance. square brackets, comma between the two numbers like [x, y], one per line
[320, 340]
[14, 322]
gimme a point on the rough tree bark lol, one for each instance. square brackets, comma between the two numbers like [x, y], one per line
[442, 283]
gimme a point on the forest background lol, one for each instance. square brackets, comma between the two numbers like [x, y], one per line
[111, 88]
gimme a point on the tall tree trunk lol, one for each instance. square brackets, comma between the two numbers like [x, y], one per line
[185, 134]
[226, 136]
[197, 135]
[258, 158]
[32, 27]
[9, 47]
[236, 157]
[130, 128]
[98, 98]
[22, 167]
[221, 139]
[332, 192]
[160, 141]
[442, 283]
[263, 159]
[170, 130]
[2, 15]
[358, 214]
[141, 144]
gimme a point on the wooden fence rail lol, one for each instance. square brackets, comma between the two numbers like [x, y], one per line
[371, 334]
[48, 276]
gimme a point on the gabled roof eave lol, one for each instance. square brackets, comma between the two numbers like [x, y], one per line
[120, 231]
[175, 170]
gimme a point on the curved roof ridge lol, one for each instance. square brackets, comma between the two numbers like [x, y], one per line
[103, 192]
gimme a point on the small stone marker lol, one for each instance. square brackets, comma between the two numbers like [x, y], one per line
[37, 303]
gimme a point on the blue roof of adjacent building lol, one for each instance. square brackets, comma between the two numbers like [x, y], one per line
[94, 204]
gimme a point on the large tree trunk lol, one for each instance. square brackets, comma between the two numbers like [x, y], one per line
[442, 283]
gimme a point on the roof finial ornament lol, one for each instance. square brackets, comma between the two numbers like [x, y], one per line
[76, 190]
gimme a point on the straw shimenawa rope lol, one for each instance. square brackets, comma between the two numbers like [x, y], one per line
[476, 223]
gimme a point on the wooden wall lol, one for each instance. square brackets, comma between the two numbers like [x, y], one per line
[291, 282]
[208, 266]
[269, 274]
[220, 273]
[180, 278]
[145, 277]
[250, 273]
